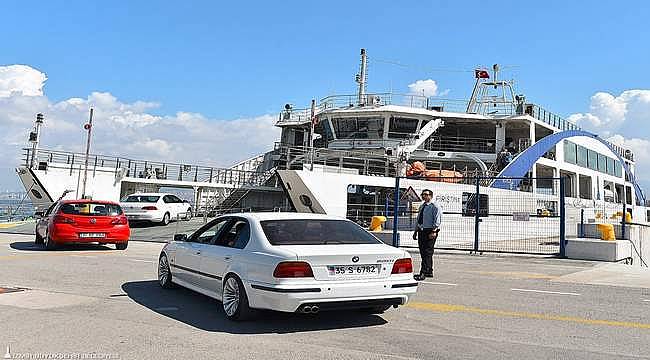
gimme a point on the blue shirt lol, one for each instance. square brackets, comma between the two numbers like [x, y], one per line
[431, 215]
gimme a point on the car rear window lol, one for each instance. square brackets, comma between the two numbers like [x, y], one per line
[142, 198]
[315, 232]
[91, 209]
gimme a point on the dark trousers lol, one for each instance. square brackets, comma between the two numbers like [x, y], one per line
[426, 246]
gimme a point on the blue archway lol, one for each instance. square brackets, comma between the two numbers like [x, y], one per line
[524, 161]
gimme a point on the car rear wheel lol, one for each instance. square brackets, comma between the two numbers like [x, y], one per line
[122, 245]
[49, 244]
[165, 220]
[164, 273]
[234, 300]
[375, 309]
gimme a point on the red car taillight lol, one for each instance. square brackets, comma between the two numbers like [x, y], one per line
[122, 220]
[61, 219]
[293, 269]
[402, 266]
[149, 208]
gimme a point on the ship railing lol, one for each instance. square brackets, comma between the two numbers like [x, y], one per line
[461, 144]
[408, 100]
[143, 169]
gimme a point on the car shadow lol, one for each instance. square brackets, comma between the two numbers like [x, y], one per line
[31, 246]
[205, 313]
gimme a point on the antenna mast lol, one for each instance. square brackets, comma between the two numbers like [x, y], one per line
[35, 138]
[361, 78]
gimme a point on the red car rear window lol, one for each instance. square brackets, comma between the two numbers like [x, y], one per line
[91, 209]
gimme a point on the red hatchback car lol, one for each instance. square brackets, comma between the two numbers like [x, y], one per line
[83, 221]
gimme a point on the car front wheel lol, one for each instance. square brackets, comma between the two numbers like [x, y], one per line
[235, 301]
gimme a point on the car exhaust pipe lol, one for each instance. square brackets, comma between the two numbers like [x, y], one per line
[306, 309]
[315, 309]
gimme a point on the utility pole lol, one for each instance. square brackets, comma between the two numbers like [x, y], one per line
[35, 138]
[89, 127]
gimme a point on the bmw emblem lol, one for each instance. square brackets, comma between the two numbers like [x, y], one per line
[93, 220]
[355, 259]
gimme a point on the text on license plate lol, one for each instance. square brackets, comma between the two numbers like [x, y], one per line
[92, 235]
[353, 269]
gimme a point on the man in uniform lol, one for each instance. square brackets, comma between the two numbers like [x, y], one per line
[426, 232]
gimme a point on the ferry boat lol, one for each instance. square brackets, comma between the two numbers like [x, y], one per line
[342, 154]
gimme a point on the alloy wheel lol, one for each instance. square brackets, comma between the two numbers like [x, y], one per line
[163, 271]
[231, 296]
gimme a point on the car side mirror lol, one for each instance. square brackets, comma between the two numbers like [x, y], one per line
[180, 237]
[39, 214]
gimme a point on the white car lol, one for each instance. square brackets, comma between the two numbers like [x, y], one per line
[155, 207]
[289, 262]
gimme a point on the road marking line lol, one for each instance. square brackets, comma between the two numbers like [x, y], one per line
[547, 292]
[26, 255]
[468, 309]
[646, 300]
[516, 274]
[437, 283]
[140, 260]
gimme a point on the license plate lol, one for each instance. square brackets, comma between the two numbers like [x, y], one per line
[353, 270]
[92, 235]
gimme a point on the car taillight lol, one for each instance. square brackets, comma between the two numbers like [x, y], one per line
[149, 208]
[293, 269]
[60, 219]
[402, 266]
[120, 221]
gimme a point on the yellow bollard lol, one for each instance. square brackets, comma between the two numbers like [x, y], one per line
[628, 217]
[376, 223]
[606, 232]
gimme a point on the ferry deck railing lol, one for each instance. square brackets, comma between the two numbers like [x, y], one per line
[144, 169]
[436, 104]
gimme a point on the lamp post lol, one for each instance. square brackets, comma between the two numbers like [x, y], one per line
[89, 128]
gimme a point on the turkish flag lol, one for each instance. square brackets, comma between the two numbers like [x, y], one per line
[481, 74]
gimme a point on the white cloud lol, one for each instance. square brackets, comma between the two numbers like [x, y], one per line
[424, 87]
[123, 129]
[21, 80]
[607, 113]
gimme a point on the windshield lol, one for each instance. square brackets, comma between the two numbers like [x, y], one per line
[91, 209]
[142, 198]
[315, 232]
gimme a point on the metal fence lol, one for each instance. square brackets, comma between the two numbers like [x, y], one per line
[478, 218]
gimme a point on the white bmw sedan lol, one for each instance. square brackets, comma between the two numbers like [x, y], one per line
[289, 262]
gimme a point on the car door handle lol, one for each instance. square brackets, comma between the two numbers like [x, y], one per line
[228, 257]
[198, 252]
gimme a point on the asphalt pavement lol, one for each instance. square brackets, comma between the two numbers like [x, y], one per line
[92, 299]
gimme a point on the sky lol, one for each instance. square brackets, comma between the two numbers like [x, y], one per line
[204, 80]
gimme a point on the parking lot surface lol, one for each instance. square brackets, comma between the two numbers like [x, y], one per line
[93, 299]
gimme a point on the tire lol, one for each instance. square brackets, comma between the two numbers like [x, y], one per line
[166, 219]
[38, 240]
[188, 214]
[164, 273]
[375, 309]
[234, 300]
[122, 245]
[49, 244]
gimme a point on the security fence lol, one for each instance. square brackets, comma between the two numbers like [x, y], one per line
[528, 219]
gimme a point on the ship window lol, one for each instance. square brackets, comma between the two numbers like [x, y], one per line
[359, 128]
[617, 169]
[569, 152]
[582, 156]
[401, 128]
[610, 166]
[602, 163]
[593, 160]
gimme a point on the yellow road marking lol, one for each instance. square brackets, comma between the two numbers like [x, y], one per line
[469, 309]
[10, 225]
[516, 274]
